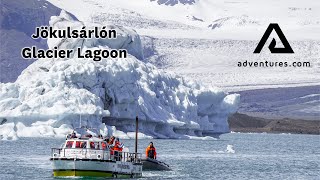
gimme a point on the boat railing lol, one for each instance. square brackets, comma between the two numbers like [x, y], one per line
[125, 156]
[99, 154]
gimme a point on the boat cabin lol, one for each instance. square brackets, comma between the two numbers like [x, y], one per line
[94, 149]
[85, 144]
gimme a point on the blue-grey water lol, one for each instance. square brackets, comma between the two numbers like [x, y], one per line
[256, 156]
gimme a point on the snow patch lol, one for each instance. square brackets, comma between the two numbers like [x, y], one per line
[233, 21]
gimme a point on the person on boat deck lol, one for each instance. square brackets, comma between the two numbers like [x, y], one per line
[105, 142]
[116, 149]
[106, 138]
[118, 146]
[111, 140]
[73, 135]
[88, 135]
[151, 151]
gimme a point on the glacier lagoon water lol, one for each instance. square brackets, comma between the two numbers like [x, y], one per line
[256, 156]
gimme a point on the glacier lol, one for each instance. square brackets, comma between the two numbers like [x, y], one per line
[52, 97]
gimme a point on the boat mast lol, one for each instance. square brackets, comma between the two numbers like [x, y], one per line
[80, 120]
[136, 141]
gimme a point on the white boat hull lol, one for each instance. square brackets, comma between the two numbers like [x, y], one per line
[94, 167]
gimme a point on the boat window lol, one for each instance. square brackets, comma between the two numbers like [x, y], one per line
[92, 145]
[83, 144]
[103, 145]
[69, 144]
[78, 144]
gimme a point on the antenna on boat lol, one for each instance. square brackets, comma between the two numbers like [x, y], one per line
[136, 141]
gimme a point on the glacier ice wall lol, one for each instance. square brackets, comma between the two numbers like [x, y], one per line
[51, 95]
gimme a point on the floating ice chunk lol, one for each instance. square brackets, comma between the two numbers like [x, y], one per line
[230, 149]
[7, 131]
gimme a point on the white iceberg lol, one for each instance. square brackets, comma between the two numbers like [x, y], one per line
[51, 95]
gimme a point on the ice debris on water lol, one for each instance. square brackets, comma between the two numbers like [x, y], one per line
[230, 149]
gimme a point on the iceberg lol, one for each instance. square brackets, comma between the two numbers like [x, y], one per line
[53, 96]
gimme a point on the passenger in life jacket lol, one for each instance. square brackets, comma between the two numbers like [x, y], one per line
[117, 149]
[105, 143]
[117, 145]
[111, 140]
[106, 139]
[151, 151]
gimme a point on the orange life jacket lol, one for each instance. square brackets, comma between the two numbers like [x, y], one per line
[116, 147]
[151, 152]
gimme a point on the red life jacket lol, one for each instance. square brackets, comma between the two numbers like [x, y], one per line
[151, 152]
[117, 146]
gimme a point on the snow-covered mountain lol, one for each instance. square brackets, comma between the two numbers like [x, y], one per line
[50, 95]
[287, 102]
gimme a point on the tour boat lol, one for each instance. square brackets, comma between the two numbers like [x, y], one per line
[91, 157]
